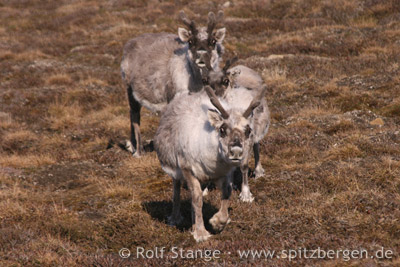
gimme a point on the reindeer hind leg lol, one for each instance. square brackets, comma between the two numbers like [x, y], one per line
[135, 107]
[176, 217]
[258, 170]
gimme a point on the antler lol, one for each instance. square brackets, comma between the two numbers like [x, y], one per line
[189, 23]
[184, 18]
[220, 16]
[211, 23]
[229, 63]
[214, 100]
[255, 102]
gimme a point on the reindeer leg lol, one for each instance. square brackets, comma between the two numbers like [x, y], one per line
[221, 218]
[199, 231]
[245, 195]
[259, 171]
[176, 217]
[136, 145]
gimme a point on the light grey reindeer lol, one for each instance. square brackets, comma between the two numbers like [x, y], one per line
[196, 143]
[238, 86]
[157, 66]
[250, 79]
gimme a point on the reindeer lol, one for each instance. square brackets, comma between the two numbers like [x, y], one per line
[197, 142]
[157, 66]
[238, 86]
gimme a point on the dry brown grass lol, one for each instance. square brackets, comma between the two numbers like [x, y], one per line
[70, 196]
[344, 152]
[20, 136]
[59, 79]
[64, 116]
[25, 161]
[93, 81]
[27, 56]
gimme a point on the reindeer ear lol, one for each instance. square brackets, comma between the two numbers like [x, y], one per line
[215, 118]
[220, 35]
[233, 74]
[184, 34]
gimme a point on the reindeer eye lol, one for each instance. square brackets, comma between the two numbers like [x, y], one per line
[225, 82]
[190, 42]
[222, 131]
[247, 131]
[213, 42]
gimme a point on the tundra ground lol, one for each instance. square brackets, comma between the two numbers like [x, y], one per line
[70, 196]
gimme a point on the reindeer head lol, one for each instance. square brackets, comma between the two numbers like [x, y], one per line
[221, 80]
[234, 127]
[205, 44]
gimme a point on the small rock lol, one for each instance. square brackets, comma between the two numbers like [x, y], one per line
[377, 121]
[226, 4]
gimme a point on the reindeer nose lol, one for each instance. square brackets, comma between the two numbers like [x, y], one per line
[201, 58]
[236, 152]
[236, 142]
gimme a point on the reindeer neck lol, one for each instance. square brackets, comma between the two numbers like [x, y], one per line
[195, 83]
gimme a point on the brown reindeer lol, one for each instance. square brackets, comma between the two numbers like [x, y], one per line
[157, 66]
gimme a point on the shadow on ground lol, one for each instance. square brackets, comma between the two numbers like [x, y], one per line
[160, 210]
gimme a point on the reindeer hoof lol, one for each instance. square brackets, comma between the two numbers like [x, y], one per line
[218, 224]
[129, 146]
[246, 196]
[136, 154]
[201, 235]
[258, 172]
